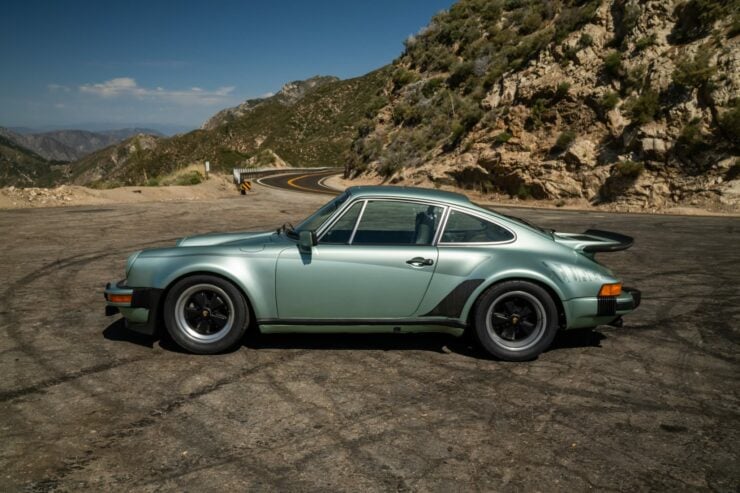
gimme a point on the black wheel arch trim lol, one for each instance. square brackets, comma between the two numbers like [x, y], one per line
[452, 305]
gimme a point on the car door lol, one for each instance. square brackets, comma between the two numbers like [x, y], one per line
[374, 262]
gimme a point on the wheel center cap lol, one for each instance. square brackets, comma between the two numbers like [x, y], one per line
[515, 319]
[206, 313]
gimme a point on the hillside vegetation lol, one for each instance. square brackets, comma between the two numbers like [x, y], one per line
[635, 102]
[308, 123]
[22, 167]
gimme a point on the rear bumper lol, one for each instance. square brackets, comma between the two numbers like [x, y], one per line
[141, 313]
[590, 312]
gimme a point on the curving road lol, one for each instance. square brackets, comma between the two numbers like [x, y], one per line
[302, 181]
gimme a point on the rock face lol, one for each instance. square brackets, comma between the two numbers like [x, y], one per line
[615, 101]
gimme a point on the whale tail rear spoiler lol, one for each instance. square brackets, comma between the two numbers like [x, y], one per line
[594, 241]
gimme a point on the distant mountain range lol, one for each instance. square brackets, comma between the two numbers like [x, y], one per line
[70, 145]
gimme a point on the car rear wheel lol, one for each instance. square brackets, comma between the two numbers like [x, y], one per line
[205, 314]
[515, 320]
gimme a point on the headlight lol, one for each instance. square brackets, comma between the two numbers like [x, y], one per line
[130, 262]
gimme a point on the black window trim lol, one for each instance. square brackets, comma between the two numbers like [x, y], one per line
[478, 215]
[348, 205]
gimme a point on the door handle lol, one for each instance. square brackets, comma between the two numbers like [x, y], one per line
[420, 261]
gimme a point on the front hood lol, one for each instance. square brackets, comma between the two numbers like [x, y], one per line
[243, 239]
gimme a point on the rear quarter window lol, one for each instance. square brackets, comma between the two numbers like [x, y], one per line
[465, 228]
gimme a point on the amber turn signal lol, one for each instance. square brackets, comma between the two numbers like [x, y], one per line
[119, 298]
[611, 289]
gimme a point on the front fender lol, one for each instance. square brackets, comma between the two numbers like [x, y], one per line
[254, 275]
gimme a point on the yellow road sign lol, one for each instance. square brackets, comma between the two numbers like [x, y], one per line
[245, 186]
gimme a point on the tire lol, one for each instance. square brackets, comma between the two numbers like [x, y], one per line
[206, 314]
[515, 320]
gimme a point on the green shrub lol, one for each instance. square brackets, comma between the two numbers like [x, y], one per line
[695, 18]
[645, 42]
[407, 114]
[696, 72]
[431, 87]
[729, 122]
[530, 23]
[629, 18]
[564, 140]
[524, 192]
[562, 90]
[633, 79]
[470, 115]
[613, 64]
[152, 182]
[609, 101]
[538, 110]
[734, 29]
[571, 18]
[645, 107]
[402, 77]
[691, 140]
[460, 74]
[502, 138]
[629, 169]
[192, 178]
[585, 40]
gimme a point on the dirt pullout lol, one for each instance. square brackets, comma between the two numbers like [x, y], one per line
[86, 405]
[216, 187]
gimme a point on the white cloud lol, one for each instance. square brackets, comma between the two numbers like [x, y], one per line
[266, 95]
[127, 87]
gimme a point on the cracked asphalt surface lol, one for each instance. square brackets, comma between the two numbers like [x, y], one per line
[86, 405]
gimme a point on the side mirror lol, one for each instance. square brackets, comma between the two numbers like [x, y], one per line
[306, 240]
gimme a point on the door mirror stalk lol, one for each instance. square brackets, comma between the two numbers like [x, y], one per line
[306, 241]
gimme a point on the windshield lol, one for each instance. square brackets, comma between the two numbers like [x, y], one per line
[312, 222]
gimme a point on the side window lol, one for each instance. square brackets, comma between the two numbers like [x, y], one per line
[341, 231]
[464, 228]
[387, 222]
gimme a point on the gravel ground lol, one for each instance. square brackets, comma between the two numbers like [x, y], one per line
[86, 405]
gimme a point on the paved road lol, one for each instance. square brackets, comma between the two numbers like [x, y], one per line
[86, 405]
[302, 181]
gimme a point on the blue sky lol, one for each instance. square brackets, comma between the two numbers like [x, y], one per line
[87, 63]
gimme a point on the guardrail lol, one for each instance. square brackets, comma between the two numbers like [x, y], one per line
[241, 174]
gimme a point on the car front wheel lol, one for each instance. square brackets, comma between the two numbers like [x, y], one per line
[515, 320]
[205, 314]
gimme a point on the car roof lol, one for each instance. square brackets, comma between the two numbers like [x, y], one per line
[410, 193]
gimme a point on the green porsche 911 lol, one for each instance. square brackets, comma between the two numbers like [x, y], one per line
[379, 259]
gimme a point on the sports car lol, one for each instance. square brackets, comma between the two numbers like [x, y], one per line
[379, 259]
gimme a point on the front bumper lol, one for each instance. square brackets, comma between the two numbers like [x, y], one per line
[141, 314]
[590, 312]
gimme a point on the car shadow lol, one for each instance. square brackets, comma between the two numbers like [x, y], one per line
[118, 332]
[577, 338]
[433, 342]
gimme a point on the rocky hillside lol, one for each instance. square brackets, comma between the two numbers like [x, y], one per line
[630, 102]
[22, 167]
[289, 94]
[308, 123]
[70, 145]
